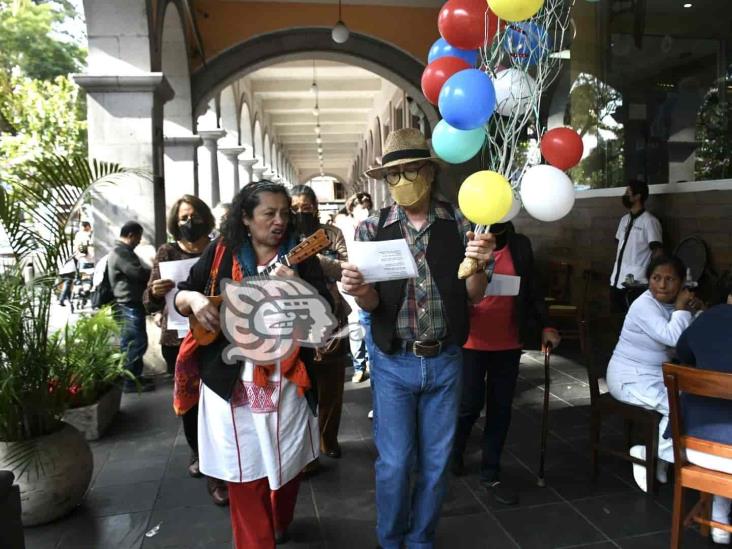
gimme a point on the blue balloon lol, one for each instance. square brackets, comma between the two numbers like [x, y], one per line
[527, 43]
[442, 49]
[456, 146]
[467, 100]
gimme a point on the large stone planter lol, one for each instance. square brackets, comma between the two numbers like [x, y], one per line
[53, 473]
[93, 420]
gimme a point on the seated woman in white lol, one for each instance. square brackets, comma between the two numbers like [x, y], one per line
[651, 329]
[707, 344]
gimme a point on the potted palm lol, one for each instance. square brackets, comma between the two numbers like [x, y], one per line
[95, 366]
[50, 459]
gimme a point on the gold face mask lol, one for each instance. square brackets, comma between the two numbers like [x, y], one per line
[408, 193]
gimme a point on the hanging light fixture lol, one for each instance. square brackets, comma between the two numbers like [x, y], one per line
[340, 32]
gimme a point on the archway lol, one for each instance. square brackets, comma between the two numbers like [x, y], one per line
[372, 54]
[245, 128]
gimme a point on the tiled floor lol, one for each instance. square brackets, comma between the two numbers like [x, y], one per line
[140, 483]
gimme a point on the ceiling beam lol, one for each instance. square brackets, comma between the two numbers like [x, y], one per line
[326, 118]
[306, 105]
[328, 139]
[325, 130]
[365, 86]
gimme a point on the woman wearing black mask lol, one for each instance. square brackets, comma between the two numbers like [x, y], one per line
[331, 360]
[190, 222]
[491, 355]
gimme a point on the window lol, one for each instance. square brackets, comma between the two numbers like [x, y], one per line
[649, 88]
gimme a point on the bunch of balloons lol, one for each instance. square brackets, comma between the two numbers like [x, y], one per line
[547, 192]
[464, 94]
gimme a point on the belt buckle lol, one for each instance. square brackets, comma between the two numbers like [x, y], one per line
[428, 354]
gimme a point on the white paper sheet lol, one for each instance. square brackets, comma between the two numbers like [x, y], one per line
[176, 271]
[382, 260]
[503, 285]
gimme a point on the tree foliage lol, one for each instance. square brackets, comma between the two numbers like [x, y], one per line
[41, 118]
[41, 109]
[31, 39]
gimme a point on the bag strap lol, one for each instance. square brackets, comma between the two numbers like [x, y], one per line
[218, 257]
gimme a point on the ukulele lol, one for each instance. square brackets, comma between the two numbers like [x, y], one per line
[307, 248]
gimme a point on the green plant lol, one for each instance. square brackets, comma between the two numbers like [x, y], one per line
[35, 368]
[92, 361]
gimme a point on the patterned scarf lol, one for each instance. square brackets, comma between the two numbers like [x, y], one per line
[187, 367]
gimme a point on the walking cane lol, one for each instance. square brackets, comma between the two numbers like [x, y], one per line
[545, 416]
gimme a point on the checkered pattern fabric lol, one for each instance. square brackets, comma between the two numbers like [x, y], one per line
[421, 315]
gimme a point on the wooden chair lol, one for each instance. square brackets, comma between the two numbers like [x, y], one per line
[563, 314]
[708, 482]
[603, 405]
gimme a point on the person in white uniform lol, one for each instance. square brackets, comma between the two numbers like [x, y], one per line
[257, 428]
[639, 238]
[651, 329]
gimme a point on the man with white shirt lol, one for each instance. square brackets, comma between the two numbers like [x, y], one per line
[639, 239]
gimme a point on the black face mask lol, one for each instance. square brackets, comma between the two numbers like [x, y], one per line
[305, 223]
[191, 231]
[627, 202]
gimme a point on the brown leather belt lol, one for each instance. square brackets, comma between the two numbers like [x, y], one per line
[426, 348]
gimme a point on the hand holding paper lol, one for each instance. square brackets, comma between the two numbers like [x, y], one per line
[175, 271]
[382, 260]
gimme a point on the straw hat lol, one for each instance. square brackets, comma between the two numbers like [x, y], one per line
[402, 147]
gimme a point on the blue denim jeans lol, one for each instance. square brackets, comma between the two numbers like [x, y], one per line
[133, 337]
[416, 403]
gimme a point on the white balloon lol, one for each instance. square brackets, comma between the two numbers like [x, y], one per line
[547, 193]
[515, 208]
[514, 91]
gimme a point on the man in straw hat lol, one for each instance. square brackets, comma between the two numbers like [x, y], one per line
[418, 327]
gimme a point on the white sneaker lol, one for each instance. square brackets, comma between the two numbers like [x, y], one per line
[371, 414]
[720, 536]
[639, 471]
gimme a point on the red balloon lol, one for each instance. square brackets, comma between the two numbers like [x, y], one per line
[462, 23]
[562, 148]
[437, 73]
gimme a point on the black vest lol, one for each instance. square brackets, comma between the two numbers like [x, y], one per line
[445, 251]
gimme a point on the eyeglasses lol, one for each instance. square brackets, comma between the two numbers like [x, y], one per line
[410, 174]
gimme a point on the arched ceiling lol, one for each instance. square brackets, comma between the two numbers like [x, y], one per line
[349, 100]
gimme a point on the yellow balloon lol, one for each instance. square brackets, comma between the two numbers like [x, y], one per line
[515, 10]
[485, 197]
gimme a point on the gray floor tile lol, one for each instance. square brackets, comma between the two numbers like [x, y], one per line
[625, 515]
[142, 469]
[184, 492]
[119, 499]
[122, 531]
[662, 540]
[472, 531]
[190, 527]
[554, 525]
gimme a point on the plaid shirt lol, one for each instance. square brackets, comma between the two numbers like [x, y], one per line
[408, 317]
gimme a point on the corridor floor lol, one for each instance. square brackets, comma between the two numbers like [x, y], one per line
[140, 484]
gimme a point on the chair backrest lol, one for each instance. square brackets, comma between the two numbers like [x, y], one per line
[560, 280]
[693, 381]
[588, 358]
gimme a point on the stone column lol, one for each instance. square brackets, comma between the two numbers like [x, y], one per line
[125, 126]
[259, 173]
[246, 170]
[230, 174]
[180, 167]
[208, 167]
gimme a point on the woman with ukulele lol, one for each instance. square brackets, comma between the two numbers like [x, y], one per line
[257, 427]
